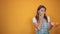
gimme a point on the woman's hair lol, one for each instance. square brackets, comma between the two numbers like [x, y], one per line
[37, 15]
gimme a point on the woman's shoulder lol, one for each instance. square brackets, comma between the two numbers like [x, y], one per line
[34, 20]
[48, 17]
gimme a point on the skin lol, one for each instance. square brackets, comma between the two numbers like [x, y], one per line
[41, 15]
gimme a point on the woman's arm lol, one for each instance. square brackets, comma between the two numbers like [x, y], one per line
[35, 25]
[38, 24]
[49, 26]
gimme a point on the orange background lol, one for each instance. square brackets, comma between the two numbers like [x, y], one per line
[16, 15]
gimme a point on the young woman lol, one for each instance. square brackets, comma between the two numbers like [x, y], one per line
[41, 21]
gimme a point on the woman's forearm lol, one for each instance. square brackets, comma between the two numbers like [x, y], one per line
[49, 26]
[39, 24]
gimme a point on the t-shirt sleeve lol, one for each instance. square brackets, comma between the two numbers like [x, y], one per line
[49, 21]
[48, 18]
[34, 20]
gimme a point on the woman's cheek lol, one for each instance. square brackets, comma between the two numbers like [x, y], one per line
[42, 13]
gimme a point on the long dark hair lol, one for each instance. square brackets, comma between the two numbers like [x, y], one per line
[37, 15]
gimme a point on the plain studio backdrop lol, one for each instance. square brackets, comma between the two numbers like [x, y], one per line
[16, 15]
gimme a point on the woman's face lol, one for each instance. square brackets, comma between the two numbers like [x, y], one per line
[41, 11]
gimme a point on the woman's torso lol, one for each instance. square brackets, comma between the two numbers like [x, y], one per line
[44, 28]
